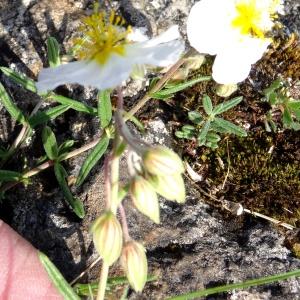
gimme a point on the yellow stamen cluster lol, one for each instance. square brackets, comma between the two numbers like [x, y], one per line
[251, 17]
[102, 35]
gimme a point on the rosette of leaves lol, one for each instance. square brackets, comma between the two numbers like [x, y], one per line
[277, 96]
[206, 128]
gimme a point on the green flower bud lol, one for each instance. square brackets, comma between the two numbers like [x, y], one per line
[162, 161]
[225, 90]
[107, 236]
[170, 187]
[134, 262]
[144, 198]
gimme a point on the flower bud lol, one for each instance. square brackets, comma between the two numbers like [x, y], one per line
[107, 236]
[134, 262]
[170, 187]
[161, 160]
[144, 198]
[225, 90]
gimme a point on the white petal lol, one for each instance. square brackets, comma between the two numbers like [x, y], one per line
[88, 73]
[209, 25]
[171, 34]
[161, 55]
[233, 64]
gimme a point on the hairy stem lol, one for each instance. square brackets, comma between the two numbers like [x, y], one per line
[103, 281]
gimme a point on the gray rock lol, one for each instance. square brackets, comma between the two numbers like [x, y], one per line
[196, 246]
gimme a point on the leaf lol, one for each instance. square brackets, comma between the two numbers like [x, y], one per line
[202, 135]
[47, 115]
[53, 52]
[104, 108]
[207, 104]
[184, 135]
[287, 117]
[297, 114]
[179, 87]
[65, 146]
[230, 127]
[6, 175]
[272, 98]
[92, 159]
[226, 105]
[49, 142]
[58, 280]
[195, 117]
[75, 203]
[295, 126]
[294, 105]
[274, 86]
[213, 137]
[239, 285]
[13, 110]
[137, 123]
[188, 128]
[76, 105]
[24, 81]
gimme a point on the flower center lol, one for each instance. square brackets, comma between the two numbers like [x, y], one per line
[102, 35]
[254, 19]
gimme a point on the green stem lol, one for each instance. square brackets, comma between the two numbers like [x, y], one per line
[103, 281]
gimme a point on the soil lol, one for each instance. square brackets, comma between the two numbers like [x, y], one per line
[198, 244]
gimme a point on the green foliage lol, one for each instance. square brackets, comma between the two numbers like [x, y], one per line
[49, 143]
[234, 286]
[88, 288]
[13, 110]
[76, 105]
[24, 81]
[57, 278]
[75, 203]
[277, 97]
[206, 127]
[47, 115]
[92, 159]
[6, 175]
[170, 89]
[53, 52]
[104, 108]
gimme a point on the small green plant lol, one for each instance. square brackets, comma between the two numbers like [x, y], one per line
[277, 96]
[205, 128]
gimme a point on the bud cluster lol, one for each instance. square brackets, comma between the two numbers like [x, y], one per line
[162, 175]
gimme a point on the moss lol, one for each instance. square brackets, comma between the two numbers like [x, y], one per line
[264, 173]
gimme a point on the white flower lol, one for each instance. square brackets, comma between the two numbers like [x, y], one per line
[234, 30]
[107, 56]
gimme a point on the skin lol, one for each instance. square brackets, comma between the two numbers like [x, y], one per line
[22, 276]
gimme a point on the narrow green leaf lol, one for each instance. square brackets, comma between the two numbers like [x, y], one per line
[213, 137]
[6, 175]
[75, 203]
[92, 159]
[297, 114]
[188, 128]
[13, 110]
[185, 135]
[83, 289]
[76, 105]
[65, 146]
[49, 143]
[58, 280]
[272, 98]
[294, 105]
[211, 145]
[53, 52]
[202, 135]
[274, 86]
[104, 108]
[160, 96]
[180, 86]
[230, 127]
[137, 123]
[207, 104]
[226, 105]
[287, 117]
[240, 285]
[24, 81]
[195, 117]
[47, 115]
